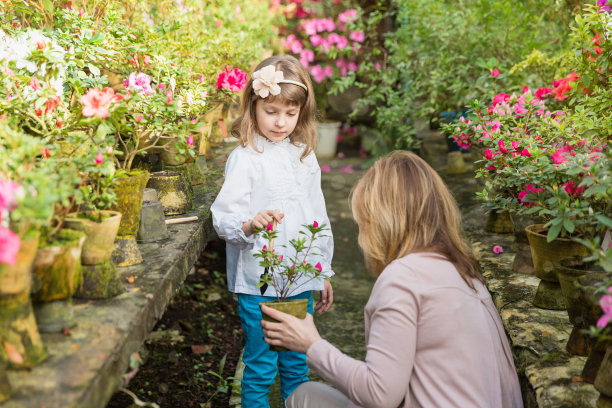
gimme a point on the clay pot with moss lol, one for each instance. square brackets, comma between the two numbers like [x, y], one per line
[294, 307]
[173, 191]
[20, 342]
[129, 189]
[576, 277]
[100, 230]
[544, 254]
[57, 274]
[499, 222]
[603, 380]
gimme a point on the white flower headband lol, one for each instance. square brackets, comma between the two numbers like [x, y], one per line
[266, 80]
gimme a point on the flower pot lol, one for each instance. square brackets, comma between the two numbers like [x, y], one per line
[575, 276]
[170, 156]
[603, 380]
[327, 133]
[172, 190]
[549, 295]
[595, 360]
[100, 282]
[523, 262]
[17, 324]
[5, 385]
[499, 222]
[185, 172]
[57, 271]
[294, 307]
[129, 190]
[99, 236]
[152, 222]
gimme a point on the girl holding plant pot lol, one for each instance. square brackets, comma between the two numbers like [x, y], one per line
[273, 168]
[434, 337]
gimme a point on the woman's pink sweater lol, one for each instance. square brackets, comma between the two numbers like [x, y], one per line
[431, 342]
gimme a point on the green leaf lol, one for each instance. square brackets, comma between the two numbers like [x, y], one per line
[48, 5]
[93, 69]
[553, 232]
[568, 225]
[604, 220]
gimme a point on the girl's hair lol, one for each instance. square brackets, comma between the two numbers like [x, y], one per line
[245, 126]
[402, 206]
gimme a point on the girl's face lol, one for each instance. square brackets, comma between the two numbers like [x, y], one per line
[276, 120]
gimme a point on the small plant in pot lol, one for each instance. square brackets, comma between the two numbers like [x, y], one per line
[287, 274]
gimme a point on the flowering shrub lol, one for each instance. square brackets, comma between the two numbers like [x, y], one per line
[288, 274]
[234, 80]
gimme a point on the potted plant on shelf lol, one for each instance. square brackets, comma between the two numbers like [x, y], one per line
[27, 202]
[288, 274]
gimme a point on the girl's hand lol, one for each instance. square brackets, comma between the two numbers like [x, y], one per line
[326, 299]
[261, 220]
[291, 332]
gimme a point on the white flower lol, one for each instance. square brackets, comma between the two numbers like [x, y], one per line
[265, 81]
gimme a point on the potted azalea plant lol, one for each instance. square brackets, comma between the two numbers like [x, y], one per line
[286, 274]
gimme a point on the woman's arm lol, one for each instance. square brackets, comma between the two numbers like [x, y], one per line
[382, 379]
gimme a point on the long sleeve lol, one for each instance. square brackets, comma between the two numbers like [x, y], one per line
[325, 242]
[382, 380]
[232, 206]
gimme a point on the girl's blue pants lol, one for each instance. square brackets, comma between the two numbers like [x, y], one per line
[261, 364]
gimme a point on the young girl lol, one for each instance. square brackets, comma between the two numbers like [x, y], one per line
[433, 335]
[272, 175]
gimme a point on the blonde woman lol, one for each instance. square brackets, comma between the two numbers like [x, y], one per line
[434, 337]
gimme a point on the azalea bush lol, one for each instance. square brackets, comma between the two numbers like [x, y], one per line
[288, 273]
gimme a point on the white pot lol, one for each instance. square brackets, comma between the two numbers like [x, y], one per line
[328, 139]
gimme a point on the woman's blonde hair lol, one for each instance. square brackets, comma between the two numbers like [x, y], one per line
[245, 126]
[402, 206]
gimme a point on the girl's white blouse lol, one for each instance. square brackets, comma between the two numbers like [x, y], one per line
[273, 178]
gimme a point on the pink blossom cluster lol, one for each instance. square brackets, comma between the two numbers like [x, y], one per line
[139, 83]
[10, 194]
[606, 305]
[530, 190]
[233, 79]
[98, 102]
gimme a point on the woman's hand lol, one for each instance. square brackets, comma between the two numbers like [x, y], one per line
[291, 332]
[261, 220]
[326, 299]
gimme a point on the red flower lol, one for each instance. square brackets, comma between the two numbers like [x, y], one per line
[235, 79]
[495, 73]
[542, 92]
[572, 189]
[51, 104]
[562, 86]
[45, 152]
[318, 267]
[529, 189]
[315, 224]
[502, 148]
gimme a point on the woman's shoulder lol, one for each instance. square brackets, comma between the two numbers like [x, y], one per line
[422, 269]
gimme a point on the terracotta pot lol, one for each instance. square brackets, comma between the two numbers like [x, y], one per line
[129, 189]
[5, 385]
[57, 267]
[18, 329]
[549, 295]
[17, 279]
[173, 191]
[499, 222]
[603, 380]
[99, 236]
[294, 307]
[523, 262]
[575, 277]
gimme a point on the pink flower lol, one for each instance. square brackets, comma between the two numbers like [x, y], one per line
[499, 98]
[317, 73]
[296, 46]
[562, 155]
[235, 80]
[357, 36]
[139, 82]
[270, 227]
[341, 42]
[35, 84]
[190, 141]
[495, 73]
[325, 169]
[97, 103]
[488, 154]
[9, 194]
[525, 153]
[519, 108]
[498, 249]
[161, 86]
[529, 189]
[316, 40]
[347, 16]
[265, 247]
[99, 158]
[542, 92]
[318, 267]
[9, 246]
[315, 224]
[138, 118]
[573, 190]
[502, 148]
[562, 86]
[606, 305]
[347, 169]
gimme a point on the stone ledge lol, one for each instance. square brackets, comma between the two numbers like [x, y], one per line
[84, 369]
